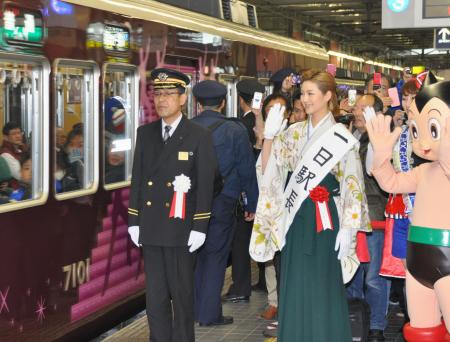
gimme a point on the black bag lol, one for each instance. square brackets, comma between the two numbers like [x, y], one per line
[359, 314]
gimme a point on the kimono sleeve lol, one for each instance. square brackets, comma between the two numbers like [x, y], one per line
[353, 202]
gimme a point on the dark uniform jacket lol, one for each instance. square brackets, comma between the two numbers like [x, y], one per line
[376, 198]
[189, 151]
[235, 157]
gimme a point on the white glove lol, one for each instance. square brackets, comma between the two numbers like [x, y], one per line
[196, 240]
[275, 122]
[343, 242]
[369, 114]
[134, 235]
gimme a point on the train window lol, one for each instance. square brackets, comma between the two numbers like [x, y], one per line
[24, 89]
[121, 119]
[232, 105]
[76, 128]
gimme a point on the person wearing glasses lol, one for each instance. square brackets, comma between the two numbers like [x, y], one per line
[170, 206]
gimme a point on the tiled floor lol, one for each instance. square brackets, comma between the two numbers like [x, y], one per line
[247, 327]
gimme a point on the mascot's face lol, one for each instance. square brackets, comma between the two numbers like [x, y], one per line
[427, 126]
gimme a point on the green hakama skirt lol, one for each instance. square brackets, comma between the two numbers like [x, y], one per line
[312, 304]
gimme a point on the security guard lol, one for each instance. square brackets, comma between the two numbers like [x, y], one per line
[170, 206]
[241, 289]
[237, 167]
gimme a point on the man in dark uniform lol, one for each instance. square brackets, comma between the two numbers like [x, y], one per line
[170, 206]
[241, 288]
[237, 167]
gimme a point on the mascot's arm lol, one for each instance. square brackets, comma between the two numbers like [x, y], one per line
[398, 183]
[444, 149]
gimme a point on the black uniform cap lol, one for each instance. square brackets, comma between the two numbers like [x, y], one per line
[169, 79]
[210, 93]
[281, 74]
[247, 88]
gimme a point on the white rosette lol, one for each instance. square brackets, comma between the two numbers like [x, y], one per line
[181, 186]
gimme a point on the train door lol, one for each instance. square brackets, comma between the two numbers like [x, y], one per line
[24, 88]
[232, 99]
[121, 119]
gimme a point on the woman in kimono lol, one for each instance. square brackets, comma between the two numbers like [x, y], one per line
[313, 216]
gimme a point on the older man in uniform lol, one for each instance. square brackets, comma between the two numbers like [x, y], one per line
[170, 206]
[237, 167]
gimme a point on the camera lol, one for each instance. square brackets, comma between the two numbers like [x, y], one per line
[345, 119]
[296, 79]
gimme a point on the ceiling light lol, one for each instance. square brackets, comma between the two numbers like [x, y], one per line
[343, 55]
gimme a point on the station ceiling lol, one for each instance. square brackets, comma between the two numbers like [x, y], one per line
[355, 24]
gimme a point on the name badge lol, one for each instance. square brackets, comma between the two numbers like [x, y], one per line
[183, 156]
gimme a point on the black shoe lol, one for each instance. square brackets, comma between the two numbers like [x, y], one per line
[376, 335]
[222, 321]
[231, 298]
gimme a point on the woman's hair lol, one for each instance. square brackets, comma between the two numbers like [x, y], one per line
[410, 88]
[325, 82]
[275, 96]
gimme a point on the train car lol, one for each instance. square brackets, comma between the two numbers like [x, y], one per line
[73, 90]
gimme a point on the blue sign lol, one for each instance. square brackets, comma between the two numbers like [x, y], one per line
[60, 7]
[442, 38]
[398, 5]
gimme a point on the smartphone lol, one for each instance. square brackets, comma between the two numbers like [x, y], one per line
[331, 69]
[257, 100]
[351, 97]
[393, 94]
[376, 81]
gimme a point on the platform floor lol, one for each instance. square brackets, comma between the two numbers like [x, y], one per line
[247, 326]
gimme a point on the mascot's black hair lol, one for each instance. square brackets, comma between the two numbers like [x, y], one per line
[432, 88]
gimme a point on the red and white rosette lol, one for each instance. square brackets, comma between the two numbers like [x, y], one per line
[181, 186]
[320, 196]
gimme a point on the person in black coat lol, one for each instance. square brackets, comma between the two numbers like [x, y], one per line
[170, 206]
[237, 167]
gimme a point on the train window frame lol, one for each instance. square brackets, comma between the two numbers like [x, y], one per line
[132, 124]
[232, 101]
[40, 82]
[91, 136]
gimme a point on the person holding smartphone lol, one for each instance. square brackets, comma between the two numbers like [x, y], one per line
[283, 82]
[250, 93]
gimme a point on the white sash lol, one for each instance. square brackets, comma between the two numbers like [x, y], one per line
[316, 163]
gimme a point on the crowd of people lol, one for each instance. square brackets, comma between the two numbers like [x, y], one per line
[259, 187]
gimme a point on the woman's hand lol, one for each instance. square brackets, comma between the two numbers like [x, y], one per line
[275, 122]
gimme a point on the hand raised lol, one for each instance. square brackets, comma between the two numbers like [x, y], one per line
[275, 122]
[444, 148]
[380, 135]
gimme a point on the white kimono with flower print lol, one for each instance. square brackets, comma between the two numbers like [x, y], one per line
[351, 204]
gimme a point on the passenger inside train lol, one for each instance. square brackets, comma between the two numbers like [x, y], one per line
[219, 170]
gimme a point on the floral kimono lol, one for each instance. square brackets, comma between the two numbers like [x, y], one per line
[312, 304]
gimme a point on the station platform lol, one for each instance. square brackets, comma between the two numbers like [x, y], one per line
[247, 326]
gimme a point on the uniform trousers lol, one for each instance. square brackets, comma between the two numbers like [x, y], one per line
[169, 278]
[240, 256]
[212, 261]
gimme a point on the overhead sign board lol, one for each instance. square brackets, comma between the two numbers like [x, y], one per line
[415, 13]
[442, 38]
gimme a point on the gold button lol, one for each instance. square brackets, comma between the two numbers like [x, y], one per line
[167, 205]
[150, 183]
[149, 203]
[169, 184]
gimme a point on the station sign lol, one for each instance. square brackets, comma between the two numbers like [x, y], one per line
[22, 25]
[442, 38]
[415, 13]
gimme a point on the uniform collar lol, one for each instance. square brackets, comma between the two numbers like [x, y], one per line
[174, 125]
